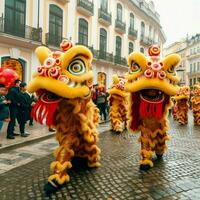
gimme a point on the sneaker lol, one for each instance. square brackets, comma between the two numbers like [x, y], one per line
[51, 130]
[24, 135]
[10, 137]
[16, 134]
[27, 133]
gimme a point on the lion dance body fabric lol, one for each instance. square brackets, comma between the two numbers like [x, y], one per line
[151, 81]
[196, 104]
[182, 105]
[63, 84]
[118, 101]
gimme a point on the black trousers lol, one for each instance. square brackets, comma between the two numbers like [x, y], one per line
[102, 108]
[22, 118]
[13, 116]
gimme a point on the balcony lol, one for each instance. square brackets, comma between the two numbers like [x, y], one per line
[120, 26]
[19, 32]
[105, 17]
[105, 56]
[85, 7]
[132, 34]
[145, 41]
[119, 60]
[53, 40]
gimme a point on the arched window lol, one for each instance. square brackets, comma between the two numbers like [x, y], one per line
[119, 12]
[55, 25]
[15, 17]
[130, 47]
[118, 46]
[103, 42]
[83, 32]
[132, 21]
[104, 5]
[142, 29]
[142, 50]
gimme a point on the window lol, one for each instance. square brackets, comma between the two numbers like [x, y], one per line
[190, 67]
[194, 67]
[142, 29]
[118, 46]
[131, 48]
[83, 32]
[15, 17]
[142, 50]
[150, 29]
[103, 42]
[119, 12]
[55, 24]
[132, 21]
[190, 82]
[104, 5]
[198, 67]
[194, 81]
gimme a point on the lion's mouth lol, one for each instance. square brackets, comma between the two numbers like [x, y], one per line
[152, 95]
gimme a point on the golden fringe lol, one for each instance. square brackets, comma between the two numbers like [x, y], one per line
[76, 125]
[146, 162]
[118, 112]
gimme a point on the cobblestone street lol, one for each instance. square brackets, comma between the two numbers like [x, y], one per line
[176, 177]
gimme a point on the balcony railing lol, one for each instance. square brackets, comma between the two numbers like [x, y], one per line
[120, 60]
[105, 17]
[146, 41]
[132, 33]
[120, 26]
[23, 31]
[86, 6]
[105, 56]
[53, 40]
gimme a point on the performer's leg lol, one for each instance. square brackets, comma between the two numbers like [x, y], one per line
[146, 152]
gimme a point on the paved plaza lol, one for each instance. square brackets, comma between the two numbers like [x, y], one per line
[176, 177]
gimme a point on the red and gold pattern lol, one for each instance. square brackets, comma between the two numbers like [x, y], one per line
[63, 86]
[118, 101]
[195, 100]
[151, 81]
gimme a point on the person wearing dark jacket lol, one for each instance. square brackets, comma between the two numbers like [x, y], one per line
[25, 106]
[13, 96]
[4, 109]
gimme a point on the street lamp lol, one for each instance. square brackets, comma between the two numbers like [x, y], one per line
[180, 72]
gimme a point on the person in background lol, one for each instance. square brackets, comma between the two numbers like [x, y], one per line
[13, 96]
[101, 101]
[95, 94]
[25, 107]
[4, 109]
[33, 101]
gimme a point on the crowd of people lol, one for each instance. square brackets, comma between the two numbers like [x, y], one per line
[99, 97]
[15, 106]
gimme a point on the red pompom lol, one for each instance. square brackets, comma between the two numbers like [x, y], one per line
[8, 77]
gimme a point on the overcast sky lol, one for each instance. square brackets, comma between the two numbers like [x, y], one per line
[178, 18]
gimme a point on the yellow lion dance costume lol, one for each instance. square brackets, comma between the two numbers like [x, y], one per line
[118, 101]
[182, 104]
[63, 84]
[151, 82]
[196, 104]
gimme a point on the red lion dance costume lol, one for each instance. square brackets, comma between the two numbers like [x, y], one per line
[63, 84]
[151, 82]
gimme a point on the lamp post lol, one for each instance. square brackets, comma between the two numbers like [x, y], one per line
[180, 72]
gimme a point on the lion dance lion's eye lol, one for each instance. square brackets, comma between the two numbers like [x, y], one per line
[77, 67]
[134, 68]
[171, 70]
